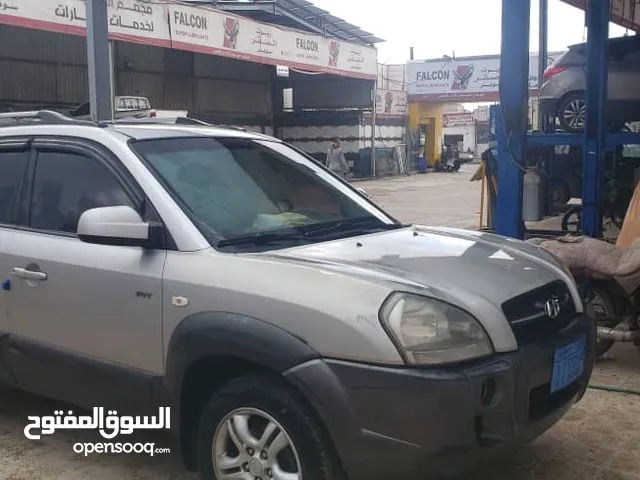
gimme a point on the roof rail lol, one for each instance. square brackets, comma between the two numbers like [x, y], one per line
[190, 121]
[230, 127]
[44, 117]
[173, 121]
[159, 120]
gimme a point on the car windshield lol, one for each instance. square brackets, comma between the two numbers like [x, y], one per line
[258, 194]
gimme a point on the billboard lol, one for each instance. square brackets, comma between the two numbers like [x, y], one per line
[199, 29]
[391, 103]
[458, 119]
[467, 79]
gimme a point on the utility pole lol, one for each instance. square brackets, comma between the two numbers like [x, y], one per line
[98, 61]
[373, 130]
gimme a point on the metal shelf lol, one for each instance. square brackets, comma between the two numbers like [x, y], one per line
[612, 140]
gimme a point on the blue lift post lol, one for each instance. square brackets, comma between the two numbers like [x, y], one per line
[511, 131]
[511, 126]
[598, 15]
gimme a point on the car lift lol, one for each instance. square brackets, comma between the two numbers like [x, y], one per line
[509, 125]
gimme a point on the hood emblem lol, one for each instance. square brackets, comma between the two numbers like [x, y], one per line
[552, 307]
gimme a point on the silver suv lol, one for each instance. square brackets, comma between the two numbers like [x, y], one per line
[563, 92]
[295, 329]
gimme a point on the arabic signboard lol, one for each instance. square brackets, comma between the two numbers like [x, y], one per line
[129, 20]
[623, 12]
[469, 79]
[244, 39]
[391, 103]
[457, 119]
[199, 29]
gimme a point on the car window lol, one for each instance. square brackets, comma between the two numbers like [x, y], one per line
[235, 186]
[65, 185]
[12, 166]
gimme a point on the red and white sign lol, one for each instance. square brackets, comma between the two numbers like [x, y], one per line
[468, 79]
[391, 103]
[199, 29]
[129, 20]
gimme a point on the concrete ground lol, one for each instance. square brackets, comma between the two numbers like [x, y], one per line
[597, 440]
[448, 199]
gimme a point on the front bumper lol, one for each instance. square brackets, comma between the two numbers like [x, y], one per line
[406, 423]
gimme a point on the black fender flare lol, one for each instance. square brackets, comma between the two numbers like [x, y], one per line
[210, 334]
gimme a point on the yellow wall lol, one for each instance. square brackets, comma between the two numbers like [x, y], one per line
[428, 113]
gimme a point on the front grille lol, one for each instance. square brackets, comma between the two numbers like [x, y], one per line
[527, 315]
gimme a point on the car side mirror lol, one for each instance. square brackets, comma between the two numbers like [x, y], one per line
[120, 225]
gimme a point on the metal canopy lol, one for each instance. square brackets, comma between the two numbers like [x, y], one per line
[300, 14]
[625, 13]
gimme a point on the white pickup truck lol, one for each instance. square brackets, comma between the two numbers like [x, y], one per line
[128, 107]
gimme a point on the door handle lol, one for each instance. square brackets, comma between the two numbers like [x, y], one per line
[25, 274]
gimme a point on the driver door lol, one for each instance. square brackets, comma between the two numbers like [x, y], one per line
[14, 157]
[85, 319]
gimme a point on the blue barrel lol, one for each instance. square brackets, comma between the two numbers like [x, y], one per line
[362, 167]
[422, 165]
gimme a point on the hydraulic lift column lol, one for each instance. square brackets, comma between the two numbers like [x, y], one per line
[511, 124]
[595, 129]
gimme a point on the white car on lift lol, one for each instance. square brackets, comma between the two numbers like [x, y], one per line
[563, 92]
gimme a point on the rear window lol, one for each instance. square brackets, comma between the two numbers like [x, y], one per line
[619, 48]
[575, 55]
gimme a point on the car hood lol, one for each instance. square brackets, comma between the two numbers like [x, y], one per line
[454, 264]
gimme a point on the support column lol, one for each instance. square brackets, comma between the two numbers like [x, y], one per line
[511, 130]
[113, 60]
[543, 53]
[598, 15]
[98, 60]
[373, 129]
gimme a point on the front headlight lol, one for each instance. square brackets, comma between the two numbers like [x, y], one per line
[431, 332]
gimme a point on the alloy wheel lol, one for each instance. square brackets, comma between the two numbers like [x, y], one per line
[250, 444]
[574, 114]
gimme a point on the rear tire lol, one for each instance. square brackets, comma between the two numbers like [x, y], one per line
[559, 191]
[235, 422]
[571, 219]
[572, 112]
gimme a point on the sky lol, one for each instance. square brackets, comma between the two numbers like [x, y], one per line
[439, 27]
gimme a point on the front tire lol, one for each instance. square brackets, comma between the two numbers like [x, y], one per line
[254, 427]
[600, 305]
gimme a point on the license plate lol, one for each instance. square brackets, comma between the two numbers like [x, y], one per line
[568, 364]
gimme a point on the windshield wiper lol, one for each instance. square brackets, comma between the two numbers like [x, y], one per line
[262, 239]
[355, 226]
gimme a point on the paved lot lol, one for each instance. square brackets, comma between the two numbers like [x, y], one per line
[433, 199]
[597, 440]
